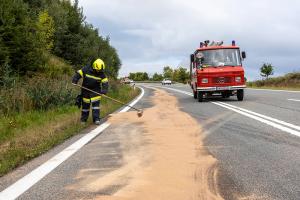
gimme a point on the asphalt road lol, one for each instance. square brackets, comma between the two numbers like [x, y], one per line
[257, 149]
[256, 160]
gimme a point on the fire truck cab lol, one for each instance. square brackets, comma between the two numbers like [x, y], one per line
[217, 69]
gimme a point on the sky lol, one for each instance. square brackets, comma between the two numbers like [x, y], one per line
[151, 34]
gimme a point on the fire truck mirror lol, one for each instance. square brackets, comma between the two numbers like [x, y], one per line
[243, 54]
[192, 58]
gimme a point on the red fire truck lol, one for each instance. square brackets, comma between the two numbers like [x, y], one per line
[217, 69]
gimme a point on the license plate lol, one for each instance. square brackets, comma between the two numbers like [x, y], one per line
[223, 88]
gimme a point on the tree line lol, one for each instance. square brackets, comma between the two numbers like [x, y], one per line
[182, 75]
[179, 74]
[33, 30]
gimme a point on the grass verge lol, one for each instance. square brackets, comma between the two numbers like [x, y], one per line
[290, 81]
[27, 135]
[274, 88]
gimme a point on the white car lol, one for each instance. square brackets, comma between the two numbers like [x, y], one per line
[166, 82]
[128, 81]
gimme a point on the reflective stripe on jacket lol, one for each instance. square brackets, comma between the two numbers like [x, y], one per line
[92, 80]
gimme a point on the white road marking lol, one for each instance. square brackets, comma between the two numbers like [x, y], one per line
[294, 99]
[270, 123]
[293, 91]
[263, 116]
[134, 102]
[23, 184]
[259, 117]
[176, 90]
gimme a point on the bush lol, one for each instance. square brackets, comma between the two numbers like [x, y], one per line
[7, 76]
[290, 80]
[49, 93]
[36, 93]
[55, 67]
[26, 135]
[41, 92]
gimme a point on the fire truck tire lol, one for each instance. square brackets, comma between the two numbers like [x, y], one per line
[240, 95]
[195, 94]
[200, 96]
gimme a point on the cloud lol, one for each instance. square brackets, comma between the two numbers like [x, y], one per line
[152, 34]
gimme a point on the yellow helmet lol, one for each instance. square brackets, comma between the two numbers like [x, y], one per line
[98, 65]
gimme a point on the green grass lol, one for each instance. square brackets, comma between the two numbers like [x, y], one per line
[24, 136]
[274, 88]
[55, 66]
[290, 81]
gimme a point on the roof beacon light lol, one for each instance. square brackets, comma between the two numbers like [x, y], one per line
[233, 43]
[206, 42]
[201, 44]
[213, 43]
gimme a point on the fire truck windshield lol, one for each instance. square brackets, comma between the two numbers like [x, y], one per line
[221, 57]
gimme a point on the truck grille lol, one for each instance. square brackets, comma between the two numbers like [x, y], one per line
[221, 80]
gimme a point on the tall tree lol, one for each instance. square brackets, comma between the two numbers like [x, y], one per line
[19, 38]
[28, 28]
[183, 75]
[266, 70]
[46, 30]
[157, 77]
[131, 76]
[168, 72]
[139, 76]
[145, 76]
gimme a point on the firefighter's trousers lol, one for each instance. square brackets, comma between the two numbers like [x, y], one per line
[95, 101]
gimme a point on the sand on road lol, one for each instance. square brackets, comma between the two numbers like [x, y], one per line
[163, 157]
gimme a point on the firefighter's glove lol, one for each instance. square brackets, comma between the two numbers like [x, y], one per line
[78, 101]
[103, 92]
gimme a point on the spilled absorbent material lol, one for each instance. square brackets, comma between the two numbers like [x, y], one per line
[172, 164]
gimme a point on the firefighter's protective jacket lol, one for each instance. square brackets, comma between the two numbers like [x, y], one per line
[96, 81]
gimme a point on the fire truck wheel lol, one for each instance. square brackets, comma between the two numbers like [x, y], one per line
[240, 95]
[195, 94]
[200, 96]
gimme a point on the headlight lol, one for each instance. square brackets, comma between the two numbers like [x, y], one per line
[238, 79]
[204, 80]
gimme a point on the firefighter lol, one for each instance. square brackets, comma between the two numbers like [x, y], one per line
[94, 79]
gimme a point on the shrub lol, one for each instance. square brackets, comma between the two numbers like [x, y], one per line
[290, 80]
[49, 93]
[36, 93]
[55, 67]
